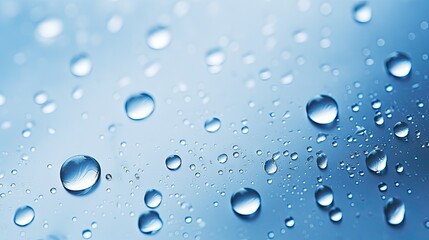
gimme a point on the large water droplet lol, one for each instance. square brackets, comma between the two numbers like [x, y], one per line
[140, 106]
[362, 12]
[401, 129]
[212, 125]
[322, 109]
[152, 198]
[173, 162]
[150, 223]
[394, 211]
[398, 64]
[158, 37]
[79, 174]
[24, 216]
[335, 214]
[49, 29]
[376, 160]
[324, 196]
[245, 202]
[80, 65]
[270, 167]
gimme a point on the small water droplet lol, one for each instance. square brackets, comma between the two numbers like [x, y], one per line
[86, 234]
[80, 174]
[150, 223]
[335, 214]
[270, 167]
[212, 125]
[173, 162]
[362, 12]
[80, 65]
[158, 37]
[49, 107]
[322, 161]
[222, 158]
[322, 109]
[139, 106]
[376, 160]
[324, 196]
[245, 202]
[152, 198]
[382, 187]
[398, 64]
[24, 216]
[401, 129]
[394, 211]
[40, 97]
[289, 222]
[49, 29]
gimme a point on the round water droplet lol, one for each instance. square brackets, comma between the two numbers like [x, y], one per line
[152, 198]
[382, 187]
[158, 37]
[335, 214]
[150, 223]
[24, 216]
[324, 196]
[398, 65]
[289, 222]
[80, 174]
[173, 162]
[86, 234]
[322, 109]
[270, 167]
[222, 158]
[80, 65]
[140, 106]
[401, 129]
[322, 161]
[362, 12]
[245, 202]
[376, 160]
[215, 57]
[212, 125]
[49, 29]
[394, 211]
[40, 97]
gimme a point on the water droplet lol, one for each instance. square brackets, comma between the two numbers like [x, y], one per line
[49, 29]
[158, 37]
[86, 234]
[49, 107]
[322, 109]
[80, 174]
[2, 99]
[215, 57]
[376, 160]
[80, 65]
[335, 214]
[289, 222]
[245, 202]
[270, 167]
[40, 97]
[173, 162]
[24, 216]
[379, 119]
[150, 223]
[376, 104]
[399, 168]
[401, 129]
[152, 198]
[322, 161]
[398, 64]
[324, 196]
[212, 125]
[140, 106]
[222, 158]
[382, 187]
[114, 24]
[188, 219]
[394, 211]
[362, 12]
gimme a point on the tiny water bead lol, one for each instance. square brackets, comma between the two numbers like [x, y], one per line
[80, 174]
[270, 167]
[152, 198]
[394, 211]
[24, 216]
[398, 65]
[322, 109]
[212, 125]
[40, 97]
[289, 222]
[150, 223]
[324, 196]
[335, 214]
[362, 12]
[215, 57]
[139, 106]
[158, 37]
[222, 158]
[376, 160]
[401, 129]
[245, 202]
[80, 65]
[86, 234]
[173, 162]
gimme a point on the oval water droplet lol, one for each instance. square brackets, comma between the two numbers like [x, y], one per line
[212, 125]
[49, 107]
[158, 37]
[245, 202]
[322, 109]
[362, 12]
[376, 160]
[222, 158]
[401, 129]
[152, 198]
[80, 65]
[324, 196]
[40, 97]
[86, 234]
[173, 162]
[139, 106]
[215, 57]
[270, 167]
[80, 174]
[398, 65]
[394, 211]
[289, 222]
[335, 214]
[24, 216]
[322, 161]
[150, 223]
[49, 29]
